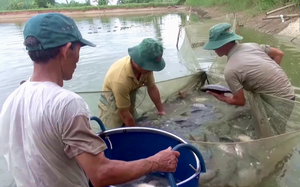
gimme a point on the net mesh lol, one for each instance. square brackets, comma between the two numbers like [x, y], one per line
[241, 145]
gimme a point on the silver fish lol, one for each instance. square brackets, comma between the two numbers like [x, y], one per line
[215, 88]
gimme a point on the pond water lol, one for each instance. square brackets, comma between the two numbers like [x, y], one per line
[112, 44]
[94, 62]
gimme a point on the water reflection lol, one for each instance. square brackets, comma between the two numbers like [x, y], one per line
[112, 44]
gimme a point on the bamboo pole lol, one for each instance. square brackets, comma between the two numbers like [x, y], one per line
[178, 36]
[287, 6]
[284, 16]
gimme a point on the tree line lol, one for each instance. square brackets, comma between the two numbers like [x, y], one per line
[36, 4]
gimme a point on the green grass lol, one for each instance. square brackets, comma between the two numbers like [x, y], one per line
[251, 6]
[86, 8]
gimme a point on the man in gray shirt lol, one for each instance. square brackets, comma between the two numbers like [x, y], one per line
[250, 66]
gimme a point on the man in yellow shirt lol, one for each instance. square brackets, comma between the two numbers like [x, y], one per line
[127, 75]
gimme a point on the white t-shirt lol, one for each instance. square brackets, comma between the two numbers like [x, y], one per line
[42, 128]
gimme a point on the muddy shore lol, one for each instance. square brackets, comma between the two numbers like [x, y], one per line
[290, 27]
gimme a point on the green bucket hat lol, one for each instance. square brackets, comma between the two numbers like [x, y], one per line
[53, 30]
[148, 55]
[220, 35]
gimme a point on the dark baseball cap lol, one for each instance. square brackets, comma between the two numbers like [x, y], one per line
[53, 30]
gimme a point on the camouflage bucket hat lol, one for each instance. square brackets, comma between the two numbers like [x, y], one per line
[220, 35]
[148, 55]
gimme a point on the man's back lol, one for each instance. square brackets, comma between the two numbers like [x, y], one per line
[34, 122]
[249, 65]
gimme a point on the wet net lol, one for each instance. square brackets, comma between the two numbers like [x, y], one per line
[242, 146]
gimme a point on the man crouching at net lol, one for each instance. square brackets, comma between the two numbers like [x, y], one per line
[125, 77]
[45, 132]
[250, 66]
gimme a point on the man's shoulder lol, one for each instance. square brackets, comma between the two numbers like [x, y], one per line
[250, 44]
[63, 96]
[44, 92]
[238, 59]
[234, 67]
[253, 48]
[118, 74]
[243, 48]
[61, 100]
[119, 64]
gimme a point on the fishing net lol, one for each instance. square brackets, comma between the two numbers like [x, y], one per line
[242, 146]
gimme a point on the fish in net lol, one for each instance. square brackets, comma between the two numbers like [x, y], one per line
[241, 146]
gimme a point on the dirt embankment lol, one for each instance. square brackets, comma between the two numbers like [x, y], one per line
[289, 27]
[25, 15]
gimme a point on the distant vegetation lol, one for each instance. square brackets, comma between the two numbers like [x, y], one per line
[232, 5]
[18, 5]
[240, 5]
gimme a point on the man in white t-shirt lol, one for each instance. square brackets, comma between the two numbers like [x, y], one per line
[45, 133]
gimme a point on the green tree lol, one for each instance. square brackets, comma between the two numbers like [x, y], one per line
[16, 4]
[103, 2]
[133, 1]
[181, 2]
[44, 3]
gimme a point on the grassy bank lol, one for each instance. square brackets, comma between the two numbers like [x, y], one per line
[88, 8]
[252, 6]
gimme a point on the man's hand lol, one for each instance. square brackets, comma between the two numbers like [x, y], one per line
[104, 172]
[155, 97]
[166, 160]
[237, 99]
[220, 97]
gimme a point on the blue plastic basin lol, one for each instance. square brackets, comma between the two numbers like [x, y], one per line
[133, 143]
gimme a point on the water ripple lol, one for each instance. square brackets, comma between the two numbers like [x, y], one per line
[15, 64]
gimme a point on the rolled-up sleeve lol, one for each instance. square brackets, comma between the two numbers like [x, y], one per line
[79, 138]
[265, 48]
[77, 134]
[233, 80]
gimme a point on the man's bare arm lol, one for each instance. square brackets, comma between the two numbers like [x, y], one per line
[82, 143]
[276, 55]
[104, 172]
[127, 117]
[273, 53]
[237, 99]
[155, 97]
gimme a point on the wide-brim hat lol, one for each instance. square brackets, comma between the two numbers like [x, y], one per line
[220, 35]
[148, 55]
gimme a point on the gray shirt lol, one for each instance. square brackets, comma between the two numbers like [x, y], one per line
[250, 67]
